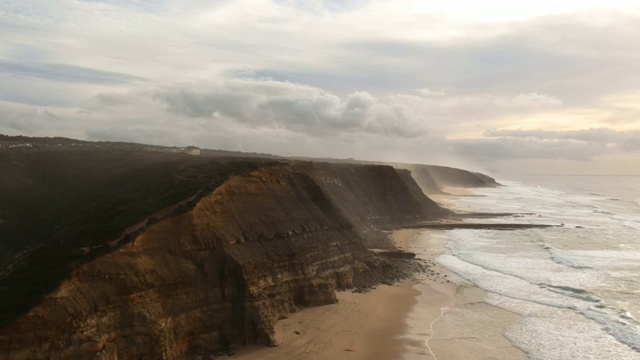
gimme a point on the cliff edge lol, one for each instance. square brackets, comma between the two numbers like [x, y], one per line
[432, 179]
[231, 248]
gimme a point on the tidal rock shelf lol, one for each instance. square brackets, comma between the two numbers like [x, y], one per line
[477, 226]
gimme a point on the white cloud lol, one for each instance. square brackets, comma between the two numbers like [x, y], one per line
[624, 140]
[318, 76]
[299, 108]
[16, 119]
[494, 150]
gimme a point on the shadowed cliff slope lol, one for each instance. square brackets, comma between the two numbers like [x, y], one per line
[397, 199]
[58, 207]
[432, 179]
[131, 254]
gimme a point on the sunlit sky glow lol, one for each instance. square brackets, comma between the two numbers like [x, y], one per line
[504, 86]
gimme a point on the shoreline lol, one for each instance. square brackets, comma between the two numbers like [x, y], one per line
[464, 326]
[468, 328]
[435, 316]
[361, 326]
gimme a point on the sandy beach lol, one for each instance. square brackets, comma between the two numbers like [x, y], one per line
[450, 321]
[360, 326]
[430, 317]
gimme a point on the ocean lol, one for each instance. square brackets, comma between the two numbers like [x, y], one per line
[566, 292]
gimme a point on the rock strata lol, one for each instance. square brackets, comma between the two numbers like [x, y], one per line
[222, 271]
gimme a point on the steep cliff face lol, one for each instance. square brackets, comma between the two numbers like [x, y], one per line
[260, 246]
[447, 176]
[389, 196]
[374, 197]
[57, 203]
[432, 179]
[425, 180]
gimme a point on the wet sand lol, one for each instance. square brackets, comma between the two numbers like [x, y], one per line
[450, 321]
[429, 318]
[465, 327]
[359, 326]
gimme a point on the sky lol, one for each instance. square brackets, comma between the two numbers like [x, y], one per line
[496, 86]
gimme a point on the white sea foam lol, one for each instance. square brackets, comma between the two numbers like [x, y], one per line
[576, 287]
[633, 224]
[565, 335]
[602, 259]
[530, 259]
[626, 330]
[507, 285]
[557, 256]
[555, 315]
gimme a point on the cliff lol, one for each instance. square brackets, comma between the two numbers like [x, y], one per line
[432, 179]
[395, 198]
[219, 267]
[59, 208]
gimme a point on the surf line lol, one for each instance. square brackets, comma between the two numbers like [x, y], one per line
[442, 311]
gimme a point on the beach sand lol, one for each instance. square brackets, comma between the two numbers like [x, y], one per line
[359, 326]
[450, 321]
[429, 318]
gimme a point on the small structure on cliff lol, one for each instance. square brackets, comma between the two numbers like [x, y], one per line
[192, 150]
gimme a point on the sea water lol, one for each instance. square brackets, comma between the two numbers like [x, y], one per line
[574, 287]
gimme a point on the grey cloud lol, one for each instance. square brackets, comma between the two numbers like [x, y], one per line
[625, 140]
[344, 79]
[299, 108]
[576, 58]
[148, 6]
[503, 66]
[631, 144]
[26, 98]
[324, 5]
[136, 134]
[491, 150]
[64, 73]
[580, 145]
[315, 111]
[448, 109]
[28, 121]
[197, 103]
[28, 16]
[396, 65]
[111, 99]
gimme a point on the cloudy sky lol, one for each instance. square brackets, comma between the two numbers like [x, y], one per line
[505, 86]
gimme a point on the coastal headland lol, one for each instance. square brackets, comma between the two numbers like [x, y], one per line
[127, 251]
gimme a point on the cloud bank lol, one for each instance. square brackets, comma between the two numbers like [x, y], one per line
[413, 81]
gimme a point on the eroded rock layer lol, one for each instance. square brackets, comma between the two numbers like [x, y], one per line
[191, 283]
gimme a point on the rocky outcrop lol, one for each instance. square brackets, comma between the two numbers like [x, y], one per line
[195, 281]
